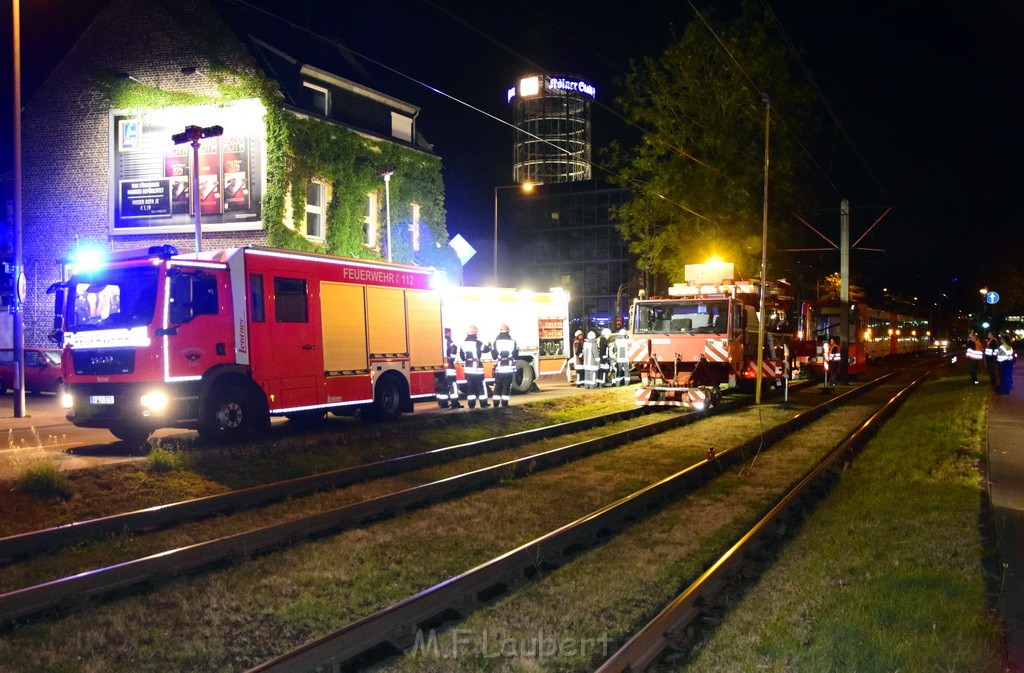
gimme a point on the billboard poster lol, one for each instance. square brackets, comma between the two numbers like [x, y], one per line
[236, 172]
[151, 177]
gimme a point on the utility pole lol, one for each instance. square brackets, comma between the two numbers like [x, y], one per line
[764, 258]
[18, 317]
[192, 135]
[844, 289]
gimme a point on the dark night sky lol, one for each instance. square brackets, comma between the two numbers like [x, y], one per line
[929, 93]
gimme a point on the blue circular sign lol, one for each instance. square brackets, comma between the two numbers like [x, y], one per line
[991, 297]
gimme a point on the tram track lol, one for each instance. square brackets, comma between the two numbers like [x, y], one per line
[48, 540]
[399, 502]
[388, 632]
[32, 600]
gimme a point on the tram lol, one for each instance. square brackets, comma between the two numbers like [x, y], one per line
[874, 334]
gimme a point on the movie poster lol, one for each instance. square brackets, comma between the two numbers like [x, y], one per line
[177, 170]
[235, 151]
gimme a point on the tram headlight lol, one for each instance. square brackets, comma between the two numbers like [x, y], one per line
[156, 400]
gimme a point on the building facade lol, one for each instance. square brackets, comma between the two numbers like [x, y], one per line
[565, 235]
[300, 163]
[563, 232]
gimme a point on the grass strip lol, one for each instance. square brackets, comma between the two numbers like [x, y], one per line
[886, 574]
[246, 613]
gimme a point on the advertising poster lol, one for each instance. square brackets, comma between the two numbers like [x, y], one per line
[176, 168]
[209, 177]
[151, 177]
[236, 173]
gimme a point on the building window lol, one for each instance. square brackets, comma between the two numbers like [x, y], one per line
[370, 220]
[414, 227]
[319, 98]
[401, 127]
[316, 209]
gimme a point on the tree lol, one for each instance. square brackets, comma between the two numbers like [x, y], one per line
[698, 170]
[830, 287]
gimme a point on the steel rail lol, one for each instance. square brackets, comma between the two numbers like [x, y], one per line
[390, 630]
[650, 641]
[51, 539]
[66, 591]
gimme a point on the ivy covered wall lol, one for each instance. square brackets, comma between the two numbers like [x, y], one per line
[300, 148]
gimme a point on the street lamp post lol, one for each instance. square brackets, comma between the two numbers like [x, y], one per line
[193, 134]
[526, 187]
[386, 173]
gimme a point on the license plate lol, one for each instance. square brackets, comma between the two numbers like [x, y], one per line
[101, 399]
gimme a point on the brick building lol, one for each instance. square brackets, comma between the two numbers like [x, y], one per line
[299, 164]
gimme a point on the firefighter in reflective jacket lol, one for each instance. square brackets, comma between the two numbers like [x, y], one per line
[448, 396]
[505, 352]
[604, 352]
[471, 352]
[577, 356]
[590, 361]
[621, 359]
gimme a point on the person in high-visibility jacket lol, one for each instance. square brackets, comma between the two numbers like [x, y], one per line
[1005, 356]
[975, 353]
[505, 352]
[621, 350]
[590, 361]
[991, 361]
[604, 354]
[471, 351]
[448, 397]
[574, 366]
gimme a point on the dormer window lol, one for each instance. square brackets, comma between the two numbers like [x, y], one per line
[401, 127]
[319, 98]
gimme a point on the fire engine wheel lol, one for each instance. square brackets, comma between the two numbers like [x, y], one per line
[389, 396]
[228, 415]
[522, 380]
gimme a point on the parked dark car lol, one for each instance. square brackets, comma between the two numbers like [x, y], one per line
[42, 370]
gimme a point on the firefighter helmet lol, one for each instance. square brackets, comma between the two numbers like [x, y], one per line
[606, 332]
[579, 332]
[591, 335]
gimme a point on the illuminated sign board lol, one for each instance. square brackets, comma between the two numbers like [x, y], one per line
[151, 177]
[530, 86]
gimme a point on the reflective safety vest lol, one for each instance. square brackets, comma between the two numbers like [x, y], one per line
[974, 350]
[622, 350]
[1004, 353]
[504, 352]
[449, 352]
[991, 346]
[471, 352]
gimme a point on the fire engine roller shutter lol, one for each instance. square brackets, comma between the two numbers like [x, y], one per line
[386, 317]
[424, 328]
[343, 320]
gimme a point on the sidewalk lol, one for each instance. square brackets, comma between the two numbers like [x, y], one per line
[1006, 493]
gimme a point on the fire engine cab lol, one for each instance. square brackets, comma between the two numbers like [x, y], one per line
[703, 337]
[222, 341]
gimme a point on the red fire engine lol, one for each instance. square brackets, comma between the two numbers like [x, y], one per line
[222, 342]
[704, 337]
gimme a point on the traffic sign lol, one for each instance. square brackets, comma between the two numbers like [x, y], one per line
[991, 297]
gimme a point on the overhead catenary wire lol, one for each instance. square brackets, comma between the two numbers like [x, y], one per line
[450, 97]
